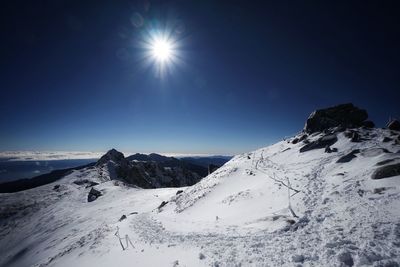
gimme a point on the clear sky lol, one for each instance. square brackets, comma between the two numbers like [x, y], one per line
[74, 77]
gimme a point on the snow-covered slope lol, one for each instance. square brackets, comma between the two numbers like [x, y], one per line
[240, 215]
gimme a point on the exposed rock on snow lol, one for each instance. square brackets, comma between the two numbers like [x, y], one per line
[346, 259]
[93, 194]
[322, 142]
[298, 258]
[123, 217]
[345, 115]
[368, 124]
[394, 125]
[348, 157]
[387, 139]
[387, 171]
[146, 174]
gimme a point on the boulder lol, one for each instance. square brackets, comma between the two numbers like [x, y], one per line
[322, 142]
[348, 157]
[368, 124]
[346, 259]
[298, 258]
[386, 171]
[344, 116]
[355, 137]
[394, 125]
[328, 149]
[162, 205]
[93, 194]
[384, 162]
[387, 139]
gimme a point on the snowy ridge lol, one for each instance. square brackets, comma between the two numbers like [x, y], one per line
[240, 215]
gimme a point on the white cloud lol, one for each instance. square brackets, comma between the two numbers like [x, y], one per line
[47, 155]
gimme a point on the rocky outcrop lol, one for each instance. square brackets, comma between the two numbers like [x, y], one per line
[348, 157]
[386, 171]
[159, 171]
[394, 125]
[322, 142]
[343, 116]
[93, 194]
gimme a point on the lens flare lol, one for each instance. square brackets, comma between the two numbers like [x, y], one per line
[161, 50]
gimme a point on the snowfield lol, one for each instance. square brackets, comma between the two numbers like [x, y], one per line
[271, 207]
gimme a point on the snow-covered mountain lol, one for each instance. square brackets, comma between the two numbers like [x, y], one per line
[146, 174]
[329, 196]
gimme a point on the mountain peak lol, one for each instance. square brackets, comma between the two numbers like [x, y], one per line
[111, 155]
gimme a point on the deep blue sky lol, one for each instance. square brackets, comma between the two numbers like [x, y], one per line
[72, 78]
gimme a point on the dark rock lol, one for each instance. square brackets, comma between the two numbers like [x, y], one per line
[303, 137]
[86, 182]
[123, 217]
[379, 190]
[56, 187]
[179, 192]
[348, 133]
[90, 184]
[295, 141]
[306, 141]
[387, 139]
[345, 115]
[298, 258]
[162, 205]
[384, 162]
[80, 182]
[346, 259]
[322, 142]
[348, 157]
[397, 141]
[93, 194]
[328, 149]
[355, 137]
[386, 171]
[394, 125]
[132, 213]
[368, 124]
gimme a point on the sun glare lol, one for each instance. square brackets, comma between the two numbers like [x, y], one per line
[161, 50]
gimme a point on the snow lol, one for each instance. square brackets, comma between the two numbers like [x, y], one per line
[238, 215]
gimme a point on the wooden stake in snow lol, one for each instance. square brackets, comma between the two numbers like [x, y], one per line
[127, 240]
[290, 205]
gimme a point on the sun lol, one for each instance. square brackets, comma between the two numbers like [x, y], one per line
[162, 50]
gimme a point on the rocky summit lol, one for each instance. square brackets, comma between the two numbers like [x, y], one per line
[147, 173]
[344, 116]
